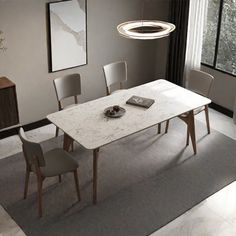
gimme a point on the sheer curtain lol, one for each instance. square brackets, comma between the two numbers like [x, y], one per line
[197, 15]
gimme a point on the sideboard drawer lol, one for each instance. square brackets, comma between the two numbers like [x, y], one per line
[8, 104]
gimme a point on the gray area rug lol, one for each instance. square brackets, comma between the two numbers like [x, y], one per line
[145, 181]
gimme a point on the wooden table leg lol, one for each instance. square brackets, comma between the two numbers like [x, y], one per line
[167, 126]
[159, 128]
[68, 141]
[207, 119]
[191, 129]
[95, 172]
[189, 120]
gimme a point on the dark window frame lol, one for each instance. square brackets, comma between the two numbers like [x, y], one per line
[217, 43]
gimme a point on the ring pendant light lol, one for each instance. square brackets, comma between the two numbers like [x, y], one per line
[145, 29]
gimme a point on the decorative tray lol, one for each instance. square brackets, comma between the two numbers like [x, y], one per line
[114, 111]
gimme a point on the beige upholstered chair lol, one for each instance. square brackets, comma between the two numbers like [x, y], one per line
[67, 86]
[53, 163]
[199, 82]
[115, 74]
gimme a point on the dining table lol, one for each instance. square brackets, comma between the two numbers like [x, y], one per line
[87, 124]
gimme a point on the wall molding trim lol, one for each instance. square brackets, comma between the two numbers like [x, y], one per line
[27, 127]
[221, 109]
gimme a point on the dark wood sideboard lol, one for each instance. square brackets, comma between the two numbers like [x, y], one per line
[8, 103]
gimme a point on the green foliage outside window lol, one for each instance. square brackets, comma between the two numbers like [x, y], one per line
[219, 41]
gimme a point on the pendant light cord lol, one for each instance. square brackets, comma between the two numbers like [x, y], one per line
[142, 11]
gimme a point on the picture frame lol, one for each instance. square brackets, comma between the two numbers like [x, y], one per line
[67, 34]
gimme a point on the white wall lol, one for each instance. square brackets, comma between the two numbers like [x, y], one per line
[223, 90]
[25, 62]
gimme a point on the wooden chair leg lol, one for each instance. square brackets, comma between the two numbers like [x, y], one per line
[167, 126]
[72, 145]
[59, 177]
[77, 184]
[57, 131]
[40, 187]
[207, 119]
[27, 174]
[67, 142]
[159, 128]
[187, 140]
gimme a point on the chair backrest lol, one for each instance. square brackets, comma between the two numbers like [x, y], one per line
[200, 82]
[114, 73]
[67, 86]
[31, 150]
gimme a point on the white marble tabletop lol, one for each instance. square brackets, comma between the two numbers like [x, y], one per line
[87, 124]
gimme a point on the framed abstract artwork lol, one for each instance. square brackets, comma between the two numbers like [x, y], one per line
[68, 34]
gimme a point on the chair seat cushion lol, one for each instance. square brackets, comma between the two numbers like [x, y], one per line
[198, 110]
[69, 106]
[117, 91]
[58, 162]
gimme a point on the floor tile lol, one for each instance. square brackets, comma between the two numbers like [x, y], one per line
[199, 221]
[8, 227]
[223, 203]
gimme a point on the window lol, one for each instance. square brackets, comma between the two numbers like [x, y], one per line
[219, 37]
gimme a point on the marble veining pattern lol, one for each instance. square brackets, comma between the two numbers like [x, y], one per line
[8, 227]
[223, 203]
[68, 34]
[87, 124]
[199, 221]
